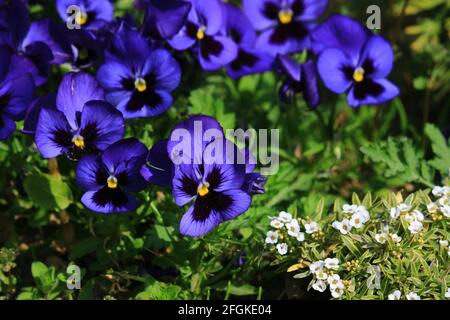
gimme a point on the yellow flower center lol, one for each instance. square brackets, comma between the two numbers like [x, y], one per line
[201, 33]
[358, 75]
[140, 84]
[203, 189]
[112, 182]
[81, 18]
[285, 16]
[78, 141]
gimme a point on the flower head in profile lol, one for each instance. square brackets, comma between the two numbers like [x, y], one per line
[82, 123]
[91, 14]
[301, 78]
[111, 177]
[285, 24]
[249, 59]
[203, 32]
[138, 80]
[354, 62]
[319, 285]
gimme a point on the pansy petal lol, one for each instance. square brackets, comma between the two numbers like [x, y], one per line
[217, 51]
[32, 115]
[238, 26]
[103, 123]
[236, 203]
[330, 66]
[262, 14]
[89, 172]
[312, 9]
[210, 12]
[147, 104]
[122, 152]
[110, 75]
[385, 91]
[165, 67]
[310, 84]
[190, 225]
[290, 66]
[250, 61]
[278, 40]
[7, 127]
[106, 200]
[378, 52]
[53, 133]
[74, 91]
[185, 184]
[159, 169]
[182, 40]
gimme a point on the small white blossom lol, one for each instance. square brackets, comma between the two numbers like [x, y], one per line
[293, 228]
[415, 227]
[381, 237]
[396, 295]
[443, 243]
[350, 209]
[418, 215]
[357, 221]
[331, 263]
[447, 293]
[334, 281]
[311, 227]
[343, 226]
[446, 210]
[272, 237]
[403, 207]
[322, 275]
[412, 296]
[319, 285]
[364, 213]
[444, 201]
[395, 213]
[432, 207]
[285, 217]
[438, 191]
[395, 238]
[316, 266]
[276, 223]
[282, 248]
[338, 291]
[301, 236]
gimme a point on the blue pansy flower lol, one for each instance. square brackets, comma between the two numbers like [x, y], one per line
[83, 123]
[202, 31]
[249, 60]
[352, 60]
[286, 24]
[111, 177]
[92, 14]
[138, 80]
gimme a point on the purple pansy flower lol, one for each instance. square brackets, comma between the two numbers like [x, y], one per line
[217, 186]
[286, 24]
[163, 19]
[112, 176]
[202, 29]
[138, 80]
[16, 93]
[93, 14]
[301, 78]
[82, 124]
[248, 60]
[353, 61]
[33, 112]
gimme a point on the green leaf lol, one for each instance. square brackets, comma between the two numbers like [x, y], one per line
[48, 192]
[440, 149]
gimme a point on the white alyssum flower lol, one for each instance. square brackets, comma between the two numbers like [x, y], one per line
[293, 228]
[443, 201]
[319, 285]
[396, 295]
[395, 213]
[276, 223]
[415, 227]
[443, 243]
[316, 266]
[311, 227]
[321, 274]
[381, 237]
[272, 237]
[282, 248]
[357, 221]
[447, 293]
[349, 208]
[364, 213]
[416, 215]
[338, 291]
[438, 191]
[334, 281]
[343, 226]
[412, 296]
[285, 217]
[395, 238]
[446, 210]
[331, 263]
[403, 207]
[432, 207]
[301, 236]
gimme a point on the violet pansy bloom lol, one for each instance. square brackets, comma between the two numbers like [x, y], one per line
[163, 19]
[81, 124]
[111, 177]
[359, 68]
[202, 30]
[286, 24]
[249, 60]
[301, 78]
[92, 14]
[138, 80]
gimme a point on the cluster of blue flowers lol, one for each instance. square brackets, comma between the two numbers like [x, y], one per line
[136, 72]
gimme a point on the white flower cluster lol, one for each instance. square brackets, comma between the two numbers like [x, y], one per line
[414, 218]
[323, 272]
[444, 244]
[283, 224]
[385, 235]
[357, 217]
[397, 295]
[442, 203]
